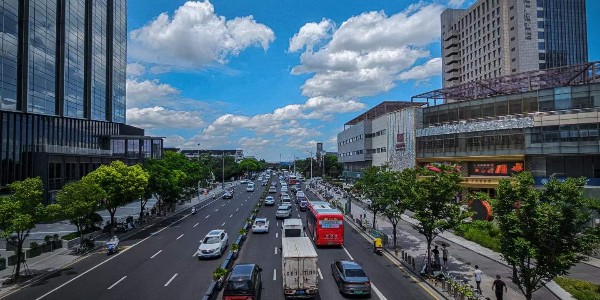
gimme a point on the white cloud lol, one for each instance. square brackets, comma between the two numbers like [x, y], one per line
[456, 3]
[160, 117]
[311, 34]
[195, 36]
[431, 68]
[365, 55]
[142, 93]
[135, 70]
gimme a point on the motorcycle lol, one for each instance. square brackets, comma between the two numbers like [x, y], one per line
[194, 210]
[377, 246]
[112, 245]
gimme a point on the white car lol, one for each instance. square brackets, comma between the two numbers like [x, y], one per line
[260, 225]
[286, 199]
[269, 200]
[283, 211]
[272, 189]
[284, 189]
[250, 188]
[244, 181]
[214, 244]
[264, 182]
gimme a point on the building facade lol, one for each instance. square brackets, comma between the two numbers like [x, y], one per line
[384, 135]
[546, 122]
[495, 38]
[62, 91]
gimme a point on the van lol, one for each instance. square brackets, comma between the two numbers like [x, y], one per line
[244, 283]
[292, 228]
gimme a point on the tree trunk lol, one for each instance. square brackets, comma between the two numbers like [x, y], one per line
[112, 221]
[394, 233]
[374, 220]
[428, 255]
[80, 234]
[20, 242]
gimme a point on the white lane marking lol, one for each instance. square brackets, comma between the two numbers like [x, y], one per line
[113, 257]
[376, 290]
[275, 250]
[298, 215]
[166, 284]
[159, 251]
[274, 274]
[320, 274]
[237, 209]
[276, 234]
[196, 225]
[195, 253]
[347, 253]
[207, 216]
[231, 215]
[217, 209]
[223, 224]
[180, 236]
[110, 287]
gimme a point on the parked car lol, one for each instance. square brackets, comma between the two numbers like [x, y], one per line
[213, 244]
[283, 211]
[269, 200]
[260, 225]
[244, 282]
[350, 277]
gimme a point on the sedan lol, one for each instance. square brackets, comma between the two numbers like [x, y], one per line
[269, 200]
[272, 189]
[350, 277]
[213, 244]
[283, 211]
[260, 225]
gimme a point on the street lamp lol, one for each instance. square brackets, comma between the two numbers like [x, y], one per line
[310, 163]
[200, 166]
[223, 181]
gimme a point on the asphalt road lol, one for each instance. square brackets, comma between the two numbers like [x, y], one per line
[157, 263]
[389, 280]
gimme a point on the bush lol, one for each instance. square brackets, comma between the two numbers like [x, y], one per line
[483, 233]
[579, 289]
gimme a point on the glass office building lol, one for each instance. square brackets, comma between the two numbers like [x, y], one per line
[62, 91]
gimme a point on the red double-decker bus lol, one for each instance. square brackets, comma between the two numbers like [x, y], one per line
[325, 224]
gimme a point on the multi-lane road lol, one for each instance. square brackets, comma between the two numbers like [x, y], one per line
[160, 262]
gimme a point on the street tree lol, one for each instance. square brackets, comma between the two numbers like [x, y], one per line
[19, 212]
[78, 202]
[370, 185]
[121, 184]
[397, 194]
[544, 232]
[435, 205]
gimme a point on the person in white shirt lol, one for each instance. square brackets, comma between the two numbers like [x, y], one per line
[478, 274]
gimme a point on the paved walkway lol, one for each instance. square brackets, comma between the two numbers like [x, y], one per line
[50, 262]
[464, 255]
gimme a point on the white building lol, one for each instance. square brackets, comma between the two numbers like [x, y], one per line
[383, 135]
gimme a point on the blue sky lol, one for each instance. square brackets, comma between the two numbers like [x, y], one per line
[274, 77]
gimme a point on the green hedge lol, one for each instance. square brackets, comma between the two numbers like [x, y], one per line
[73, 235]
[483, 233]
[579, 289]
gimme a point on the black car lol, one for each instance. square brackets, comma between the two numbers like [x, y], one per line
[350, 278]
[244, 280]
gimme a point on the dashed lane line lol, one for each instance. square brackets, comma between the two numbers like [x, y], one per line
[196, 225]
[275, 250]
[231, 216]
[320, 274]
[180, 236]
[167, 284]
[276, 234]
[223, 224]
[347, 253]
[274, 274]
[159, 251]
[376, 290]
[207, 216]
[113, 285]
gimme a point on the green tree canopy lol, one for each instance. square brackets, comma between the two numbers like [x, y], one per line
[544, 232]
[19, 212]
[396, 195]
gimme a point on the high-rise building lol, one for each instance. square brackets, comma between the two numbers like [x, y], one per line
[494, 38]
[62, 91]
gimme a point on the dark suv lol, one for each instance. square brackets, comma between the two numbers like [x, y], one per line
[244, 282]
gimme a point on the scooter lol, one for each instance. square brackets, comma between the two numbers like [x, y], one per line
[377, 246]
[112, 245]
[194, 210]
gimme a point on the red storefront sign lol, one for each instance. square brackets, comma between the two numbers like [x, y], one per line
[400, 145]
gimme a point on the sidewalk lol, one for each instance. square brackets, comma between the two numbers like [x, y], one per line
[463, 256]
[50, 262]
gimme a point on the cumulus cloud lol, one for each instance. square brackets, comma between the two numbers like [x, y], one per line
[456, 3]
[365, 55]
[160, 117]
[135, 70]
[195, 36]
[431, 68]
[310, 35]
[142, 93]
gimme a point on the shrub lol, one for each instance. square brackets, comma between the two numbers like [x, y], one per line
[579, 289]
[33, 245]
[483, 233]
[219, 273]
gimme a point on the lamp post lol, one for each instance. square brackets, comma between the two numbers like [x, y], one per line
[199, 180]
[310, 163]
[223, 181]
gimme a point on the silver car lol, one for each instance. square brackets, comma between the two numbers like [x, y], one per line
[269, 200]
[213, 244]
[283, 211]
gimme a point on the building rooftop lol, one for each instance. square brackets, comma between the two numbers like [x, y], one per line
[382, 109]
[517, 83]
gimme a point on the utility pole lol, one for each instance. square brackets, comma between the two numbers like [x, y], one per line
[294, 164]
[201, 166]
[223, 182]
[311, 175]
[323, 159]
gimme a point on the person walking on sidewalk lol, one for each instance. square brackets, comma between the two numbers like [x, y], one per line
[445, 255]
[436, 256]
[500, 287]
[478, 274]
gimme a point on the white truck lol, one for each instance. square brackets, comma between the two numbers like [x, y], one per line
[299, 268]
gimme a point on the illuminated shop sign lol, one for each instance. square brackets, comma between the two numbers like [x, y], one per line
[495, 169]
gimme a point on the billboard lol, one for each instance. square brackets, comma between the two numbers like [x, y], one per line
[495, 169]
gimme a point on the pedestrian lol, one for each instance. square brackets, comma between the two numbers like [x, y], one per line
[500, 287]
[478, 274]
[436, 256]
[445, 255]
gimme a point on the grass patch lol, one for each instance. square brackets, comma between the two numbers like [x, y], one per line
[579, 289]
[483, 233]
